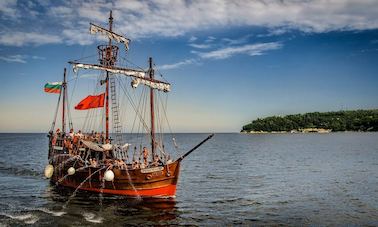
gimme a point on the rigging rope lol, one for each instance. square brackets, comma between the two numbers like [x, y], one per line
[166, 117]
[70, 124]
[56, 112]
[139, 115]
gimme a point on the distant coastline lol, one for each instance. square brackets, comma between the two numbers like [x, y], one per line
[316, 122]
[304, 130]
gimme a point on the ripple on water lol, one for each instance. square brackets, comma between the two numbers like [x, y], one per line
[91, 217]
[54, 213]
[25, 218]
[232, 180]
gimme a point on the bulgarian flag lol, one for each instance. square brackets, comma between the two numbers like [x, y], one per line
[53, 87]
[91, 101]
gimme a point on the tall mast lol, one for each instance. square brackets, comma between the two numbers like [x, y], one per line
[109, 62]
[151, 72]
[64, 102]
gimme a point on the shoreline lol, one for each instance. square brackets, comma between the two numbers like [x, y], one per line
[300, 132]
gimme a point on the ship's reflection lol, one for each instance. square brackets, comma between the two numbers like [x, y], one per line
[155, 210]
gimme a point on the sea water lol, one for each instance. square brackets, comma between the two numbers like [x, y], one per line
[288, 179]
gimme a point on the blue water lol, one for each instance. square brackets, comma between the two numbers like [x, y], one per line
[288, 179]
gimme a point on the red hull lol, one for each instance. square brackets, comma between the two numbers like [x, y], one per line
[159, 183]
[165, 191]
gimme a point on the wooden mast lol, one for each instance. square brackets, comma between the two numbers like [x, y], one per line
[153, 144]
[64, 102]
[109, 63]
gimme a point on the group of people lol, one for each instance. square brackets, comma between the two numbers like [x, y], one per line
[96, 137]
[72, 142]
[145, 153]
[69, 142]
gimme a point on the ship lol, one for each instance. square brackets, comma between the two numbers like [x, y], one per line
[106, 162]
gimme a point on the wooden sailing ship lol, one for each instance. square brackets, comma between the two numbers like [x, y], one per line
[102, 162]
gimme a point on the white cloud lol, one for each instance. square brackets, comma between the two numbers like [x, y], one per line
[210, 39]
[61, 11]
[169, 18]
[237, 41]
[38, 57]
[25, 38]
[94, 11]
[178, 64]
[192, 39]
[226, 52]
[153, 18]
[14, 58]
[78, 36]
[91, 76]
[20, 58]
[8, 8]
[250, 49]
[275, 32]
[200, 46]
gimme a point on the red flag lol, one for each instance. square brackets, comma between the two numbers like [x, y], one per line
[91, 101]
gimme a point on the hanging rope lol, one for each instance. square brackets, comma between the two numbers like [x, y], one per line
[70, 124]
[91, 116]
[164, 107]
[56, 112]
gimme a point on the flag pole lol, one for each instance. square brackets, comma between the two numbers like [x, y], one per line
[64, 102]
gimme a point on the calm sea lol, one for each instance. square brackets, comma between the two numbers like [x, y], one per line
[233, 179]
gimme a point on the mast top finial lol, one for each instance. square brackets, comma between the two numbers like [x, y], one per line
[111, 16]
[110, 20]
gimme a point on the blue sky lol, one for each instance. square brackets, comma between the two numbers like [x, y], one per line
[229, 62]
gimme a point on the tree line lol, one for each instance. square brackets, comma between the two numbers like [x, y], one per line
[352, 120]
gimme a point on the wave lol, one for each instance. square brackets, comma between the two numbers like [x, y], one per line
[54, 213]
[19, 170]
[90, 217]
[26, 218]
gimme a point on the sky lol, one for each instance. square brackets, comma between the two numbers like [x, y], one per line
[229, 62]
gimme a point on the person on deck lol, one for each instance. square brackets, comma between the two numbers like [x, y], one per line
[107, 141]
[134, 164]
[169, 159]
[79, 134]
[50, 136]
[122, 165]
[53, 139]
[68, 145]
[75, 140]
[97, 137]
[91, 136]
[156, 161]
[71, 134]
[139, 164]
[57, 132]
[102, 138]
[145, 156]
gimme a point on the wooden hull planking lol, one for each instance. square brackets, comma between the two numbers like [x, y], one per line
[158, 181]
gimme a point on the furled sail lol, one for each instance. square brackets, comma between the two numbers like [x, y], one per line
[138, 75]
[111, 35]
